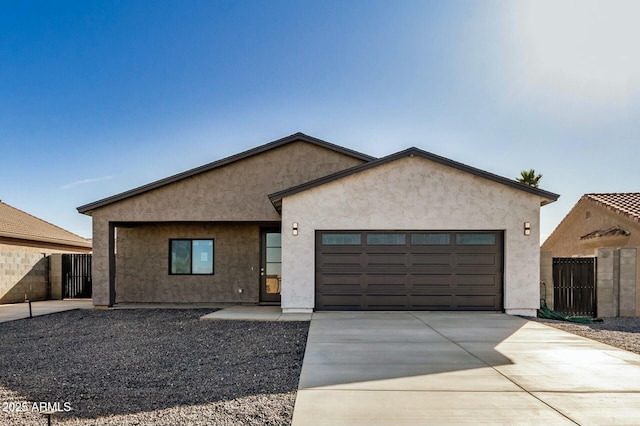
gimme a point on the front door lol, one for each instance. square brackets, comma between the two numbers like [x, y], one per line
[270, 266]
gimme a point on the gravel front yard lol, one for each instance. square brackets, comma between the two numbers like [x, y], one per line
[149, 367]
[165, 367]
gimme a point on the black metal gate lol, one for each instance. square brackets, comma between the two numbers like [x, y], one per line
[574, 285]
[76, 276]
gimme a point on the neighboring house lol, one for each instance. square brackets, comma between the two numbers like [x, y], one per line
[25, 244]
[597, 220]
[310, 225]
[606, 226]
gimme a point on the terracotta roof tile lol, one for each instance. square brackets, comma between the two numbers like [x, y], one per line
[627, 203]
[15, 223]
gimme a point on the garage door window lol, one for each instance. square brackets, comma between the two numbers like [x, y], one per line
[430, 239]
[386, 239]
[476, 239]
[341, 239]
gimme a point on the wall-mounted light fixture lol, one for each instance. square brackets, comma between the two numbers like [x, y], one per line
[294, 228]
[527, 228]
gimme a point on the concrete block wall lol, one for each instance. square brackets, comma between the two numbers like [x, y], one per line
[627, 292]
[55, 276]
[546, 277]
[23, 274]
[617, 282]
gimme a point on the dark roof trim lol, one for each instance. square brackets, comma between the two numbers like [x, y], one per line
[87, 208]
[276, 198]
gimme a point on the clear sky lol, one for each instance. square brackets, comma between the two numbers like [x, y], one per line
[99, 97]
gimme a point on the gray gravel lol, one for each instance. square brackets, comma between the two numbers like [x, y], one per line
[149, 367]
[621, 332]
[165, 367]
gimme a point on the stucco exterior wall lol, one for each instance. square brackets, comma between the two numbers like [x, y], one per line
[413, 194]
[142, 261]
[237, 192]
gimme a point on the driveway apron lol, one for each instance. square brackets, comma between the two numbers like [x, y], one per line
[422, 368]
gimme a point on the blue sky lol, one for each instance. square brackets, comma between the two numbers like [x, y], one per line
[98, 97]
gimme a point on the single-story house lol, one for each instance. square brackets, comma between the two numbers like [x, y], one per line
[605, 226]
[26, 242]
[595, 221]
[307, 224]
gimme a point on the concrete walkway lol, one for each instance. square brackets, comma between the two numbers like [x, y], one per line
[16, 311]
[255, 313]
[425, 368]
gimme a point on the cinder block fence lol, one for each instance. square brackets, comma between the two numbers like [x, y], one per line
[617, 281]
[28, 274]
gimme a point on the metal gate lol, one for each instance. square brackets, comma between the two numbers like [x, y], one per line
[76, 276]
[574, 285]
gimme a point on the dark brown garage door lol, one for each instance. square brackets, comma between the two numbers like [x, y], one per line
[418, 270]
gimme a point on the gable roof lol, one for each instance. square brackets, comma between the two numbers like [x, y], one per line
[16, 224]
[296, 137]
[624, 203]
[276, 198]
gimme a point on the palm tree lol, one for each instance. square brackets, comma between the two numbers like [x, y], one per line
[529, 177]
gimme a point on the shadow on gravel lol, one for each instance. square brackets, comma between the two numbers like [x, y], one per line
[129, 361]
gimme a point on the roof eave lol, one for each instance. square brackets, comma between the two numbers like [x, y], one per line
[35, 238]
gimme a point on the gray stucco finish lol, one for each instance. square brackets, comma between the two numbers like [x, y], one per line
[235, 193]
[411, 190]
[413, 193]
[143, 263]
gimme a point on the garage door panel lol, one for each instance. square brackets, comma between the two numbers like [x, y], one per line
[422, 270]
[343, 290]
[477, 259]
[476, 281]
[385, 259]
[391, 280]
[342, 302]
[431, 280]
[431, 302]
[476, 302]
[386, 301]
[341, 282]
[341, 259]
[430, 259]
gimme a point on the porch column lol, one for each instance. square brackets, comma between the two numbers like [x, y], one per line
[103, 263]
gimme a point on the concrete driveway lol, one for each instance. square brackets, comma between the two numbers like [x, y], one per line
[423, 368]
